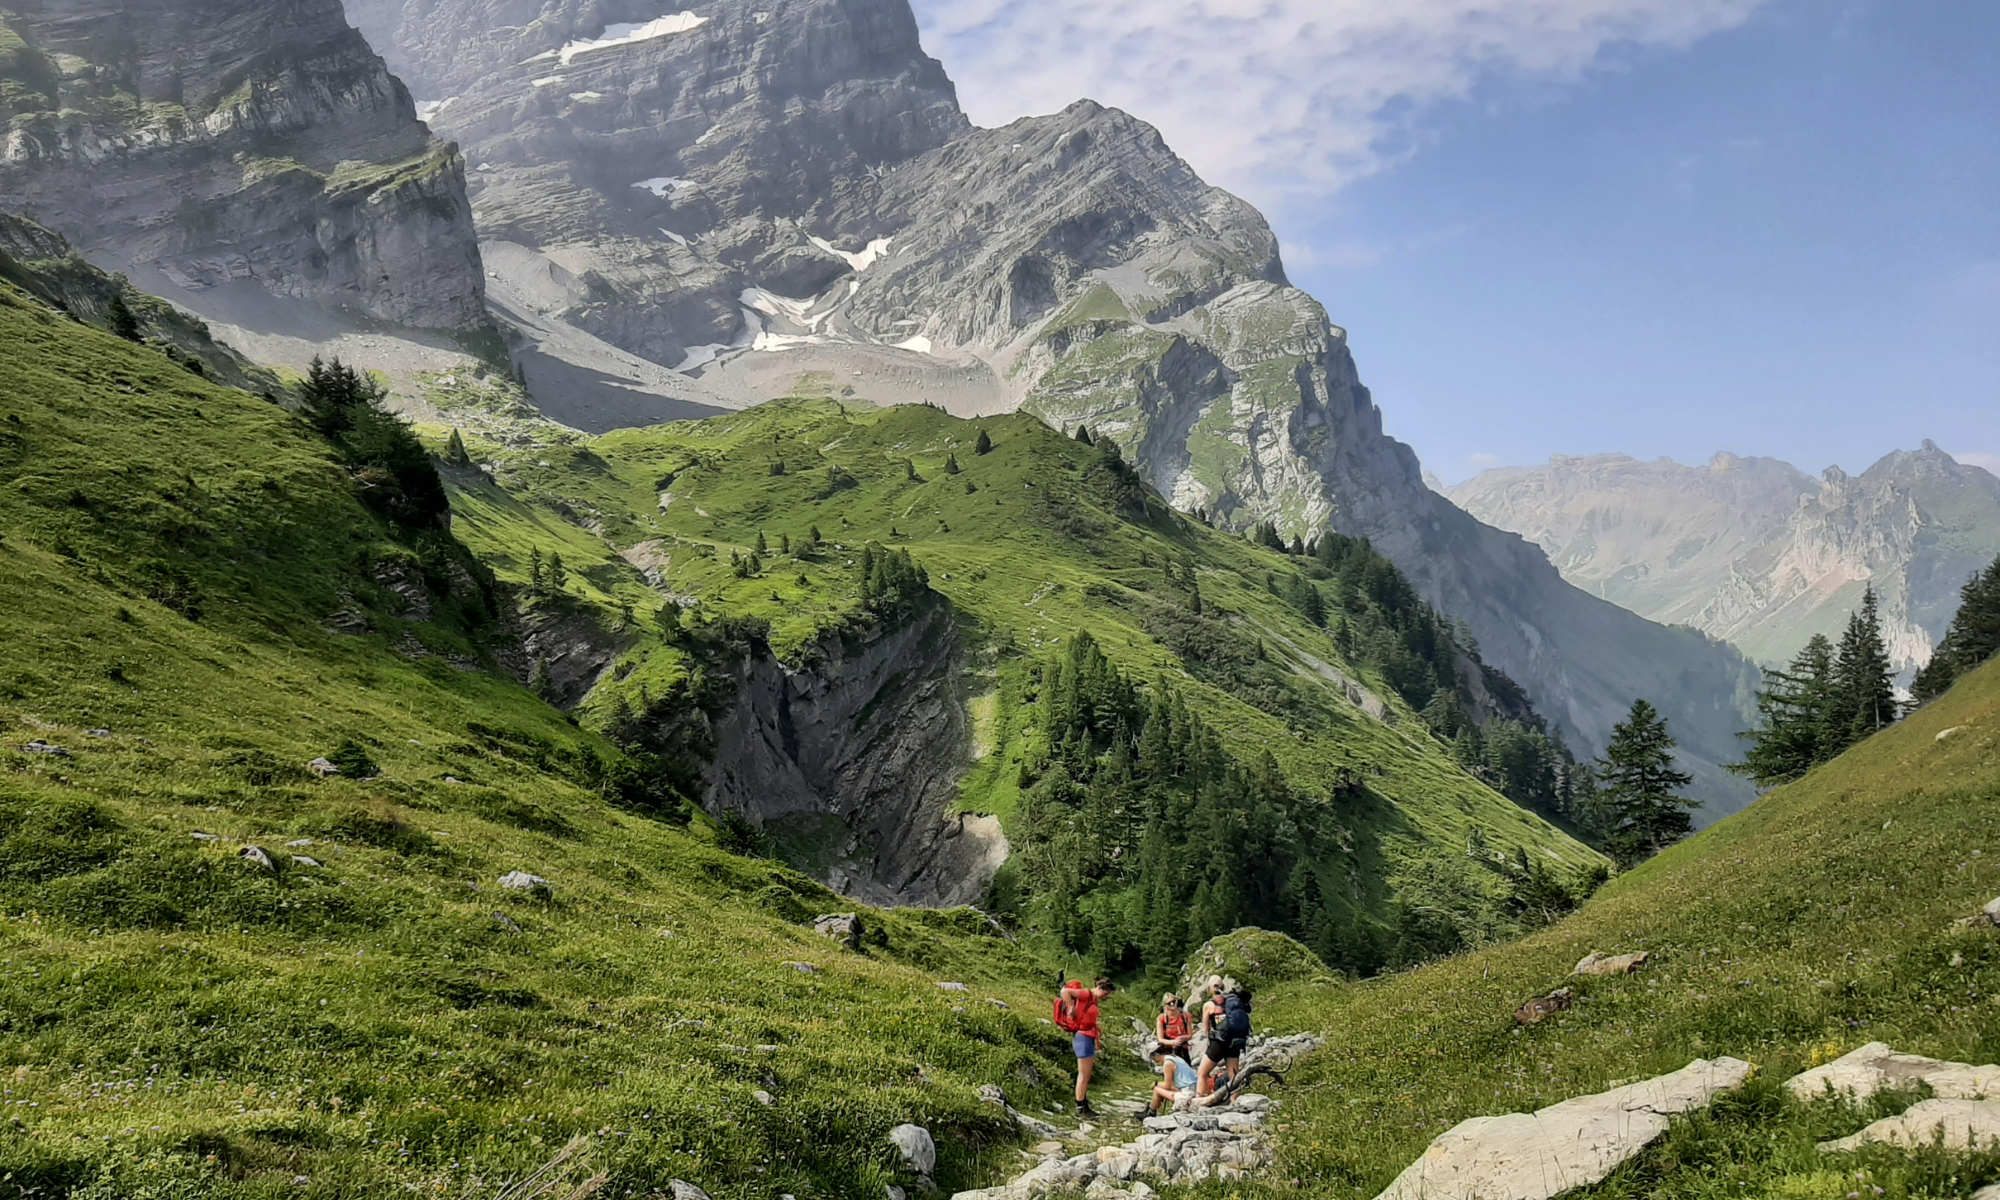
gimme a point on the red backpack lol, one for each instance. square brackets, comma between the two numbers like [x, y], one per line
[1072, 1015]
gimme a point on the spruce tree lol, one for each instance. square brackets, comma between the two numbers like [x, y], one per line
[1798, 728]
[984, 445]
[1640, 786]
[539, 681]
[123, 322]
[1973, 638]
[558, 578]
[454, 451]
[1862, 674]
[1083, 435]
[763, 547]
[537, 577]
[951, 464]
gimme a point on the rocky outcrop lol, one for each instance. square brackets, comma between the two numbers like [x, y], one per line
[1533, 1156]
[851, 763]
[1862, 1072]
[1948, 1124]
[231, 143]
[1753, 551]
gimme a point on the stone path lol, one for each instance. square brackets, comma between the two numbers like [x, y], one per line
[1186, 1147]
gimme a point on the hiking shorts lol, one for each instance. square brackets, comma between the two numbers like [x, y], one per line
[1222, 1049]
[1084, 1045]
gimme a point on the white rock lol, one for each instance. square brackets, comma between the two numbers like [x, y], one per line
[915, 1144]
[1962, 1124]
[764, 1098]
[1533, 1156]
[521, 881]
[305, 860]
[255, 854]
[322, 768]
[892, 1192]
[681, 1189]
[803, 968]
[954, 987]
[1863, 1072]
[1609, 964]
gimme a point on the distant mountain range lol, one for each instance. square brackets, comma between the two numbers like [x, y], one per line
[1753, 550]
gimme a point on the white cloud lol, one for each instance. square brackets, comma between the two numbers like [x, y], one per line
[1481, 461]
[1283, 98]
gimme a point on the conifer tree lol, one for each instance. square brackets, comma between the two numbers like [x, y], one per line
[539, 681]
[454, 451]
[984, 445]
[951, 464]
[1972, 639]
[123, 322]
[784, 543]
[1798, 729]
[762, 546]
[670, 620]
[1640, 786]
[537, 577]
[1083, 435]
[1866, 681]
[558, 577]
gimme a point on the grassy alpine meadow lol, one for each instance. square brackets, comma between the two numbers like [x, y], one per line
[1820, 918]
[1036, 540]
[197, 600]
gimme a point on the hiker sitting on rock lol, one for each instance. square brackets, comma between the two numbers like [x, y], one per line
[1228, 1036]
[1174, 1028]
[1076, 1015]
[1177, 1080]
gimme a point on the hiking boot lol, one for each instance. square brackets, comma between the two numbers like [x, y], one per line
[1084, 1110]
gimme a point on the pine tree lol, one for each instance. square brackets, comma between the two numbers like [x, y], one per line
[984, 445]
[951, 464]
[539, 681]
[1972, 639]
[123, 322]
[670, 620]
[1865, 681]
[1083, 435]
[812, 539]
[1797, 729]
[910, 470]
[558, 578]
[1641, 783]
[454, 451]
[784, 543]
[537, 577]
[762, 546]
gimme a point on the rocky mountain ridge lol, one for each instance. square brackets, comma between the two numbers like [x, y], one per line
[1754, 551]
[254, 148]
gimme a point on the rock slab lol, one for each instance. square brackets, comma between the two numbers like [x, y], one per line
[1609, 964]
[914, 1143]
[1533, 1156]
[1956, 1124]
[1863, 1072]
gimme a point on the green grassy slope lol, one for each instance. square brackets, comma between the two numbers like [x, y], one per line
[1032, 543]
[177, 1021]
[1819, 919]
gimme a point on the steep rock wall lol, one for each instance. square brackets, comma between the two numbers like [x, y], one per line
[852, 763]
[236, 141]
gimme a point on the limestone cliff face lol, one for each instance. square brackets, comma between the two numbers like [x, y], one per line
[236, 141]
[1753, 551]
[851, 764]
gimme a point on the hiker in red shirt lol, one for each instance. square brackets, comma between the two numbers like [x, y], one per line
[1076, 1014]
[1174, 1028]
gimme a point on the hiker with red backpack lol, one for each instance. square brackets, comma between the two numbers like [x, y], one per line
[1076, 1014]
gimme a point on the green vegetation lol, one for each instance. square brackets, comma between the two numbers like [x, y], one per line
[1186, 619]
[1639, 787]
[1822, 917]
[372, 1013]
[1828, 700]
[1974, 636]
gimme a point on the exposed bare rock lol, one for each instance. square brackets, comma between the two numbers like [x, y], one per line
[1609, 964]
[1753, 551]
[1540, 1009]
[237, 143]
[1954, 1124]
[1532, 1156]
[1862, 1072]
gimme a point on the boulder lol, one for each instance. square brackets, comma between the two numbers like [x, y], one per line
[305, 860]
[764, 1098]
[1533, 1156]
[322, 768]
[521, 881]
[954, 987]
[681, 1189]
[1863, 1072]
[256, 855]
[1541, 1008]
[38, 746]
[1958, 1124]
[914, 1143]
[844, 928]
[803, 968]
[1609, 964]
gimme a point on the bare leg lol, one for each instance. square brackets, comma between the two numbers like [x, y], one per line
[1085, 1068]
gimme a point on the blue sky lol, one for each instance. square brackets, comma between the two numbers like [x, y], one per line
[1663, 227]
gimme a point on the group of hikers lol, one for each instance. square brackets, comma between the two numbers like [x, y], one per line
[1197, 1055]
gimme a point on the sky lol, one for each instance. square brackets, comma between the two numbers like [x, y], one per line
[1657, 227]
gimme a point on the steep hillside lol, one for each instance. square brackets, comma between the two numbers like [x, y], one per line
[895, 733]
[200, 598]
[1752, 551]
[1826, 916]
